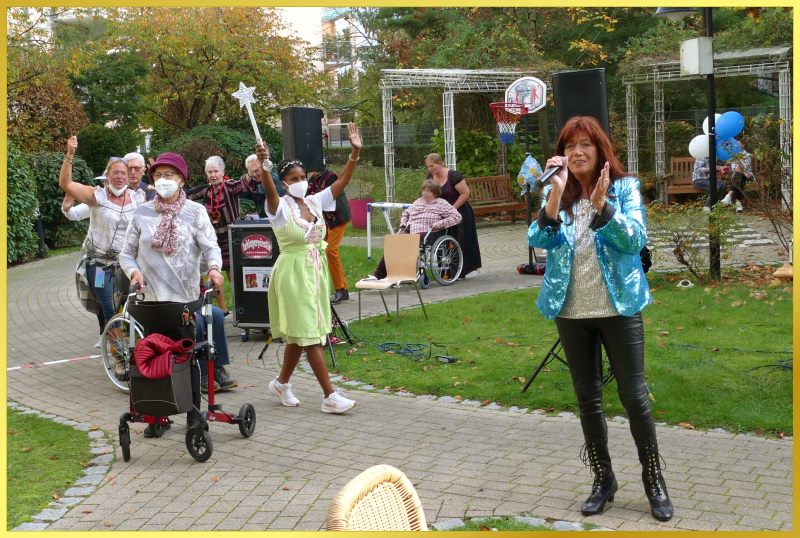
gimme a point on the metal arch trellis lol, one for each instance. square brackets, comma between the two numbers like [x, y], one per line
[761, 61]
[451, 81]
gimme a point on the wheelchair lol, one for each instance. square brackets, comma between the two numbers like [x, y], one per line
[152, 401]
[440, 257]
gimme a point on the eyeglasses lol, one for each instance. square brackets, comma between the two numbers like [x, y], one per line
[165, 175]
[136, 168]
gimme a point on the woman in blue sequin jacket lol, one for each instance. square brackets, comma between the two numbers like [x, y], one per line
[592, 223]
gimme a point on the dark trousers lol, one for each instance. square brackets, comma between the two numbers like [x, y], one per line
[737, 186]
[623, 339]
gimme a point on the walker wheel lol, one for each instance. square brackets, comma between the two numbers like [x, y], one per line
[198, 443]
[125, 441]
[247, 420]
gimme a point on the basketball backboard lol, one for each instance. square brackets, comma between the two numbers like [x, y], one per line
[528, 91]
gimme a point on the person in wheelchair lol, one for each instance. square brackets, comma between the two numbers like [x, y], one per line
[428, 212]
[167, 242]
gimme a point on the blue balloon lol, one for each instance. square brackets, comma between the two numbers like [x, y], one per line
[728, 148]
[729, 124]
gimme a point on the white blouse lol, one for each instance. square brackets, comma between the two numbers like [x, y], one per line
[107, 224]
[173, 277]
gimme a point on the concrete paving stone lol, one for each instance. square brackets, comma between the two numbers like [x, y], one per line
[760, 523]
[31, 526]
[89, 480]
[567, 526]
[96, 469]
[181, 524]
[79, 491]
[448, 524]
[230, 524]
[283, 523]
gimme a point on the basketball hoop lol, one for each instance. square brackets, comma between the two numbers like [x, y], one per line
[507, 116]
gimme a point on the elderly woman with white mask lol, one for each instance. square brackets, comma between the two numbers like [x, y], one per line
[166, 242]
[220, 196]
[110, 209]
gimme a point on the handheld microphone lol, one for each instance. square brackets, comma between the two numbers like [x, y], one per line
[547, 174]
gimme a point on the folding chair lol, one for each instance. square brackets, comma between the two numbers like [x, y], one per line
[400, 251]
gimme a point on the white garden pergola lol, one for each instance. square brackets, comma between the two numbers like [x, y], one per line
[751, 62]
[451, 81]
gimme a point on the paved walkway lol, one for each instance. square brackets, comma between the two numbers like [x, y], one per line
[464, 461]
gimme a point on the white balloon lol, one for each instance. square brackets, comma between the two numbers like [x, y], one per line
[705, 122]
[698, 147]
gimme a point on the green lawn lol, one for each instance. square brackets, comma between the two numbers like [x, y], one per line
[52, 453]
[702, 344]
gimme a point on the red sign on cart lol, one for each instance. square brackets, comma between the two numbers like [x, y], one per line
[257, 247]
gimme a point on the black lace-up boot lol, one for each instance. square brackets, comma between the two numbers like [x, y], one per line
[654, 486]
[595, 456]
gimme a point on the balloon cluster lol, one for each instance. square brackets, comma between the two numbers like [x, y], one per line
[727, 126]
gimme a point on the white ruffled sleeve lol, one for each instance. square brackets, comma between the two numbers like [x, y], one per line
[281, 216]
[324, 200]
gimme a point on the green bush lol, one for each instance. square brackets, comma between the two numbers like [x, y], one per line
[477, 153]
[22, 241]
[97, 143]
[405, 156]
[58, 230]
[232, 145]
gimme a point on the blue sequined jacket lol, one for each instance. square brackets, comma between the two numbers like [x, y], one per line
[620, 233]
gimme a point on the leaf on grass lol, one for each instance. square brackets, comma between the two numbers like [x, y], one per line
[663, 333]
[53, 458]
[390, 352]
[759, 431]
[484, 528]
[758, 294]
[714, 349]
[686, 425]
[25, 449]
[466, 321]
[547, 369]
[457, 383]
[660, 411]
[426, 367]
[485, 402]
[457, 396]
[781, 435]
[513, 344]
[734, 304]
[662, 345]
[12, 433]
[521, 379]
[498, 340]
[55, 495]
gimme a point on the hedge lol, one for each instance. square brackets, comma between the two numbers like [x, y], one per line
[22, 240]
[58, 230]
[232, 145]
[97, 143]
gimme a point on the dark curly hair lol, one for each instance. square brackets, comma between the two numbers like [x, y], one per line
[286, 165]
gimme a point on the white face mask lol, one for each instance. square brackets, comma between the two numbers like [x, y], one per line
[299, 189]
[166, 187]
[115, 191]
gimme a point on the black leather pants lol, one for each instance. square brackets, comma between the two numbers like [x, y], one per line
[623, 339]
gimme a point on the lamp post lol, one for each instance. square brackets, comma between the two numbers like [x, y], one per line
[675, 14]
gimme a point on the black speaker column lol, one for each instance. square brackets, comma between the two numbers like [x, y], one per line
[302, 136]
[580, 93]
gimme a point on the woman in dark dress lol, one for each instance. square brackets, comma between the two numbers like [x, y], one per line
[455, 191]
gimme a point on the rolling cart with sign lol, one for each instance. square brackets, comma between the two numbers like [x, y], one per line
[253, 251]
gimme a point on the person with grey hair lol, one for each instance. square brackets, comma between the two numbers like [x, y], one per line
[259, 197]
[220, 197]
[136, 169]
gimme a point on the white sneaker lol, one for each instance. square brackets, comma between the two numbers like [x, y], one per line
[99, 342]
[370, 277]
[738, 205]
[336, 403]
[706, 209]
[284, 392]
[727, 200]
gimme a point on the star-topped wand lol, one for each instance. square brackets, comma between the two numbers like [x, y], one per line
[246, 99]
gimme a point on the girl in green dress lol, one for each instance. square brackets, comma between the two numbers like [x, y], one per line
[300, 287]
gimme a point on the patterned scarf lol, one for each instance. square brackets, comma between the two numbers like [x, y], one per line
[166, 237]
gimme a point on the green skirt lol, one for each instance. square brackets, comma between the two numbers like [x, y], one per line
[299, 296]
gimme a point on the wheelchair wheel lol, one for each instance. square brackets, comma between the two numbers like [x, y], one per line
[247, 416]
[198, 443]
[446, 260]
[114, 347]
[423, 278]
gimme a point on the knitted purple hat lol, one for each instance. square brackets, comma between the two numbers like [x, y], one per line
[174, 160]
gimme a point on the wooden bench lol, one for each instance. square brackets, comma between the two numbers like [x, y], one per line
[679, 178]
[494, 194]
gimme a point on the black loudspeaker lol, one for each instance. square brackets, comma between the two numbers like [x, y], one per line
[302, 136]
[580, 93]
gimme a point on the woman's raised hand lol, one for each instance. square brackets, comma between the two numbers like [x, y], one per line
[262, 152]
[598, 196]
[72, 145]
[355, 136]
